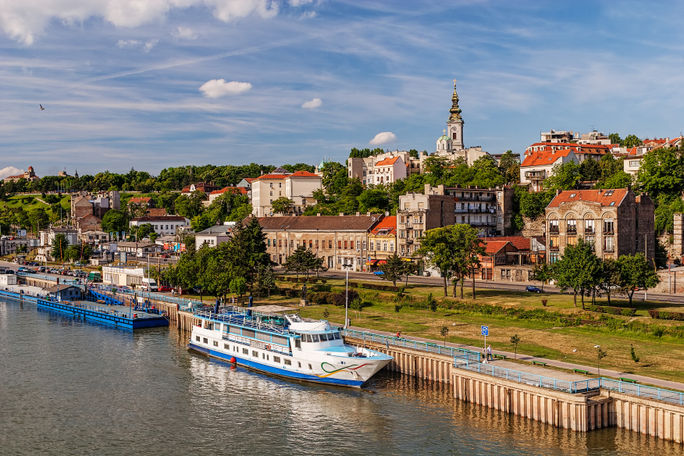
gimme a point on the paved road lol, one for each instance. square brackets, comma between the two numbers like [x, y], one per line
[499, 285]
[593, 371]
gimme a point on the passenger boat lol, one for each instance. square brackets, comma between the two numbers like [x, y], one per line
[286, 346]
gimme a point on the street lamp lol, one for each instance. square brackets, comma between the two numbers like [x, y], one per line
[346, 296]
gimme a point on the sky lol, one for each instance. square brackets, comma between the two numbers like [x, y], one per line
[158, 83]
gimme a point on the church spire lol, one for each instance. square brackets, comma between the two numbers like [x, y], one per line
[455, 110]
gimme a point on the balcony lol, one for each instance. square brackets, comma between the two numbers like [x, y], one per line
[589, 230]
[535, 175]
[553, 229]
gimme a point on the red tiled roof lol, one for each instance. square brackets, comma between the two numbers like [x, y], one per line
[236, 190]
[389, 223]
[272, 176]
[163, 218]
[303, 174]
[493, 247]
[609, 197]
[544, 157]
[519, 242]
[250, 179]
[387, 161]
[320, 223]
[140, 199]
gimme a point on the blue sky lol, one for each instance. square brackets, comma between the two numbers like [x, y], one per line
[173, 82]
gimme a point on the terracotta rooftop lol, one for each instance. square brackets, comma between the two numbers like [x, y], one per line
[163, 218]
[284, 176]
[493, 247]
[140, 199]
[544, 157]
[519, 242]
[240, 190]
[387, 161]
[608, 197]
[387, 225]
[321, 223]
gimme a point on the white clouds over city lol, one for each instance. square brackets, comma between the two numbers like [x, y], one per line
[384, 137]
[217, 88]
[313, 104]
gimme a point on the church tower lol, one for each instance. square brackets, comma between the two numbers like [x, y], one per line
[455, 123]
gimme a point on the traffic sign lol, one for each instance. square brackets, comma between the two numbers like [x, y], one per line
[484, 330]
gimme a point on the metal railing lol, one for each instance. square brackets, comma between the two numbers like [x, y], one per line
[577, 386]
[429, 347]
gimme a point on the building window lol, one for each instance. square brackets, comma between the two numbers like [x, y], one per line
[345, 245]
[339, 244]
[553, 257]
[553, 226]
[553, 242]
[588, 226]
[608, 226]
[608, 245]
[572, 226]
[571, 240]
[589, 240]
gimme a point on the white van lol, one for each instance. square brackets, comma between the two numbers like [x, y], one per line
[149, 284]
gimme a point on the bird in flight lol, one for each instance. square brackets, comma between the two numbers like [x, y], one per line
[41, 108]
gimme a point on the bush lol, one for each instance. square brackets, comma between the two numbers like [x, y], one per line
[660, 315]
[339, 298]
[431, 303]
[321, 287]
[624, 311]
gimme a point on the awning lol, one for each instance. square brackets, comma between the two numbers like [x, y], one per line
[371, 262]
[381, 261]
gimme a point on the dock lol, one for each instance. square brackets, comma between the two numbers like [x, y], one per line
[109, 315]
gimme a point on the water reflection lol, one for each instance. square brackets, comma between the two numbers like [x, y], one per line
[68, 387]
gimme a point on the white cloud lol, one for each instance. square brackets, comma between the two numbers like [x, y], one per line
[185, 33]
[134, 44]
[147, 47]
[296, 3]
[10, 171]
[313, 104]
[23, 20]
[383, 137]
[216, 88]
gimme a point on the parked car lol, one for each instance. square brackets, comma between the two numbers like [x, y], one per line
[533, 289]
[164, 288]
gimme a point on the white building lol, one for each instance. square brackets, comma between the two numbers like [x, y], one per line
[163, 224]
[214, 235]
[297, 187]
[383, 168]
[122, 277]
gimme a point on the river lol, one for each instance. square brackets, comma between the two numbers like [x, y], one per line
[72, 388]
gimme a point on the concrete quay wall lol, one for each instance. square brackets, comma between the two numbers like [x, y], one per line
[580, 412]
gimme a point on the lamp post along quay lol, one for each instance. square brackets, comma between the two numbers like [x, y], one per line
[346, 296]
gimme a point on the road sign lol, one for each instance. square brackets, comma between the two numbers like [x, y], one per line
[484, 330]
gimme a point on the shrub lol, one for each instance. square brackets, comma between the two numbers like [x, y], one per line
[339, 298]
[397, 307]
[431, 303]
[678, 316]
[544, 301]
[658, 331]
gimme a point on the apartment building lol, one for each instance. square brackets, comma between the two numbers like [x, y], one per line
[382, 241]
[616, 221]
[165, 224]
[418, 213]
[342, 241]
[489, 210]
[383, 168]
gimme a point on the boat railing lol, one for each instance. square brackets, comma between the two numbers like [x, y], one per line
[242, 320]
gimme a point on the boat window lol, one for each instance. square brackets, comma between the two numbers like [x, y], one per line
[263, 336]
[215, 343]
[276, 359]
[298, 343]
[248, 333]
[263, 356]
[279, 340]
[316, 338]
[245, 351]
[205, 340]
[197, 338]
[324, 337]
[299, 364]
[307, 338]
[255, 353]
[337, 335]
[226, 347]
[310, 368]
[287, 362]
[234, 330]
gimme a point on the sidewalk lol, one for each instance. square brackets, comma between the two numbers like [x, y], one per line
[550, 362]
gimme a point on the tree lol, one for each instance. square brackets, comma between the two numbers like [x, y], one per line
[444, 332]
[265, 281]
[577, 269]
[590, 170]
[631, 141]
[509, 165]
[393, 269]
[114, 221]
[303, 260]
[662, 173]
[543, 273]
[486, 173]
[143, 231]
[454, 251]
[282, 205]
[515, 340]
[238, 286]
[565, 176]
[609, 277]
[38, 218]
[600, 354]
[636, 272]
[59, 247]
[373, 200]
[247, 251]
[615, 138]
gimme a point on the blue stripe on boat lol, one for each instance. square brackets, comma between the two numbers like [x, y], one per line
[273, 370]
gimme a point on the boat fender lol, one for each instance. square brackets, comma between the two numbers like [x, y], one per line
[268, 347]
[232, 360]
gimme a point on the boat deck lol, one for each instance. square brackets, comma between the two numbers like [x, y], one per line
[111, 315]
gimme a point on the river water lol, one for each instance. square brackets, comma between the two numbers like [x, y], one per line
[72, 388]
